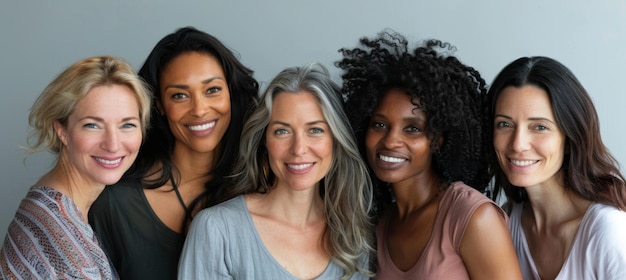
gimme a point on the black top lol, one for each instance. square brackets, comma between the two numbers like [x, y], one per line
[138, 243]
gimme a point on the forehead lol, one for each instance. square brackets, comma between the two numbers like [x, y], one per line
[528, 99]
[191, 63]
[296, 105]
[108, 100]
[398, 101]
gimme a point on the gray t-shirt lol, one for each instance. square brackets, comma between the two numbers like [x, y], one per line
[224, 244]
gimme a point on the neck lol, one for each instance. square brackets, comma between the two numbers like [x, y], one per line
[416, 195]
[193, 166]
[299, 208]
[551, 206]
[68, 181]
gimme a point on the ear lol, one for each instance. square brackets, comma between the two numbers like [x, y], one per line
[61, 132]
[439, 141]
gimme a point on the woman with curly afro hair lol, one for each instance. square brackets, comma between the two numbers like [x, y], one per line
[419, 115]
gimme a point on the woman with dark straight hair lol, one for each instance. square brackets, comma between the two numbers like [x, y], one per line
[202, 94]
[566, 194]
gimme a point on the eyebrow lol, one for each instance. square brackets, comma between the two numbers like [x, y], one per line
[102, 120]
[407, 119]
[309, 123]
[532, 119]
[183, 86]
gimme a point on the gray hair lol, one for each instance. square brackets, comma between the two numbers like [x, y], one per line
[346, 189]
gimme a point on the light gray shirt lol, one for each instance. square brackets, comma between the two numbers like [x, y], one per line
[224, 244]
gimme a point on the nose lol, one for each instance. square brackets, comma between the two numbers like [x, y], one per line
[298, 144]
[520, 141]
[199, 106]
[110, 141]
[391, 139]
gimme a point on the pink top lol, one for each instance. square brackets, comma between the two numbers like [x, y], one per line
[440, 258]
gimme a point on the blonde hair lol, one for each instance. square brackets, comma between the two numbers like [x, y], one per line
[58, 100]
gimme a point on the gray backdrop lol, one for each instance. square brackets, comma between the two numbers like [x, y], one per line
[40, 39]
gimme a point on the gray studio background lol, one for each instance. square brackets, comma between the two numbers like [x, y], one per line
[40, 38]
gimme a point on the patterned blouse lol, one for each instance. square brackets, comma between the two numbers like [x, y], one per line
[48, 239]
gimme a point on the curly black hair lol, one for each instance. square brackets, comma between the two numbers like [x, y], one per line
[451, 94]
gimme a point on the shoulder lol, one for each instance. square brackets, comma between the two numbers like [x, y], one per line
[601, 234]
[121, 193]
[604, 223]
[225, 223]
[117, 198]
[464, 200]
[40, 203]
[466, 208]
[122, 189]
[231, 212]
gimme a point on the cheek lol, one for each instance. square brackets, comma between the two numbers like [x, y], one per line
[371, 139]
[420, 147]
[133, 142]
[173, 111]
[224, 105]
[326, 149]
[274, 149]
[79, 145]
[500, 142]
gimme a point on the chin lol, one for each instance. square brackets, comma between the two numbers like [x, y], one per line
[110, 180]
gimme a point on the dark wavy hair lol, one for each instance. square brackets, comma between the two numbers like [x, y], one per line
[159, 144]
[451, 94]
[589, 169]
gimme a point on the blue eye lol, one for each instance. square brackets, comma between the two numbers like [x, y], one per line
[317, 130]
[541, 127]
[280, 131]
[129, 125]
[90, 125]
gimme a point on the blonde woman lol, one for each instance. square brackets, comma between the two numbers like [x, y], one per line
[93, 117]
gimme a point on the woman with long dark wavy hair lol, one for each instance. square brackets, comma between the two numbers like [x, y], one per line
[566, 194]
[202, 94]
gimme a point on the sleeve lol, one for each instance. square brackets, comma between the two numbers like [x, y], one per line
[608, 248]
[462, 206]
[21, 256]
[205, 254]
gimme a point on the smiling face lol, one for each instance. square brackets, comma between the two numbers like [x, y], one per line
[299, 141]
[397, 145]
[102, 136]
[196, 101]
[528, 142]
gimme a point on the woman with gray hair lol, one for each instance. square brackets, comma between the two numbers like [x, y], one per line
[304, 193]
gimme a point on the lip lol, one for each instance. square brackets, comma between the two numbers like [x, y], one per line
[109, 162]
[521, 164]
[202, 128]
[390, 160]
[299, 167]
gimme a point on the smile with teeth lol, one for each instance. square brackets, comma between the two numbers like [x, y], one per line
[391, 159]
[108, 162]
[300, 166]
[202, 126]
[523, 162]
